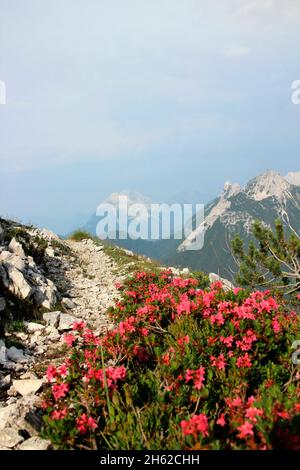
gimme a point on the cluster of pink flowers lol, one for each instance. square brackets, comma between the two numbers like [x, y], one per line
[59, 414]
[246, 430]
[221, 421]
[246, 414]
[180, 282]
[60, 390]
[126, 326]
[245, 344]
[108, 377]
[85, 424]
[183, 340]
[244, 361]
[79, 326]
[154, 302]
[196, 376]
[228, 340]
[197, 424]
[218, 362]
[69, 340]
[51, 373]
[227, 333]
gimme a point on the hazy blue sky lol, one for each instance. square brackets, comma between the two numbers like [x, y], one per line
[157, 96]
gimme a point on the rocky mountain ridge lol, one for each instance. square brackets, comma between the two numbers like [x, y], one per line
[233, 206]
[46, 284]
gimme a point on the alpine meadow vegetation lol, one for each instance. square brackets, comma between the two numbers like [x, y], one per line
[185, 367]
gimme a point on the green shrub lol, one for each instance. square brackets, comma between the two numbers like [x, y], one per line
[80, 235]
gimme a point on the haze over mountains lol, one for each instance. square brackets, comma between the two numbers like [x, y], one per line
[267, 197]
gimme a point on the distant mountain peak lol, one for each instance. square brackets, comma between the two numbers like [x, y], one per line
[268, 184]
[231, 189]
[268, 196]
[293, 177]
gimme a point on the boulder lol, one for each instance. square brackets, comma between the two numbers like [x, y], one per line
[52, 334]
[32, 327]
[46, 295]
[22, 415]
[28, 375]
[18, 285]
[27, 386]
[52, 318]
[35, 443]
[128, 252]
[37, 339]
[16, 248]
[68, 303]
[50, 252]
[16, 355]
[10, 438]
[11, 259]
[31, 263]
[21, 277]
[66, 321]
[36, 278]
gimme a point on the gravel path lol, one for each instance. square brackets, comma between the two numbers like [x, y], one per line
[91, 282]
[86, 278]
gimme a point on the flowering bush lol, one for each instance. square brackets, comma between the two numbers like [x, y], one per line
[184, 368]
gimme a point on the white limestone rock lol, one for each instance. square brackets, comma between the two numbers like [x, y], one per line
[10, 438]
[35, 443]
[52, 318]
[66, 321]
[32, 327]
[16, 248]
[27, 386]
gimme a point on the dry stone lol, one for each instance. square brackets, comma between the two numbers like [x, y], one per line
[27, 386]
[66, 321]
[35, 443]
[52, 318]
[10, 438]
[16, 355]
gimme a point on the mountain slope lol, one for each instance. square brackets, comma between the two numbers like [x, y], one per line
[266, 197]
